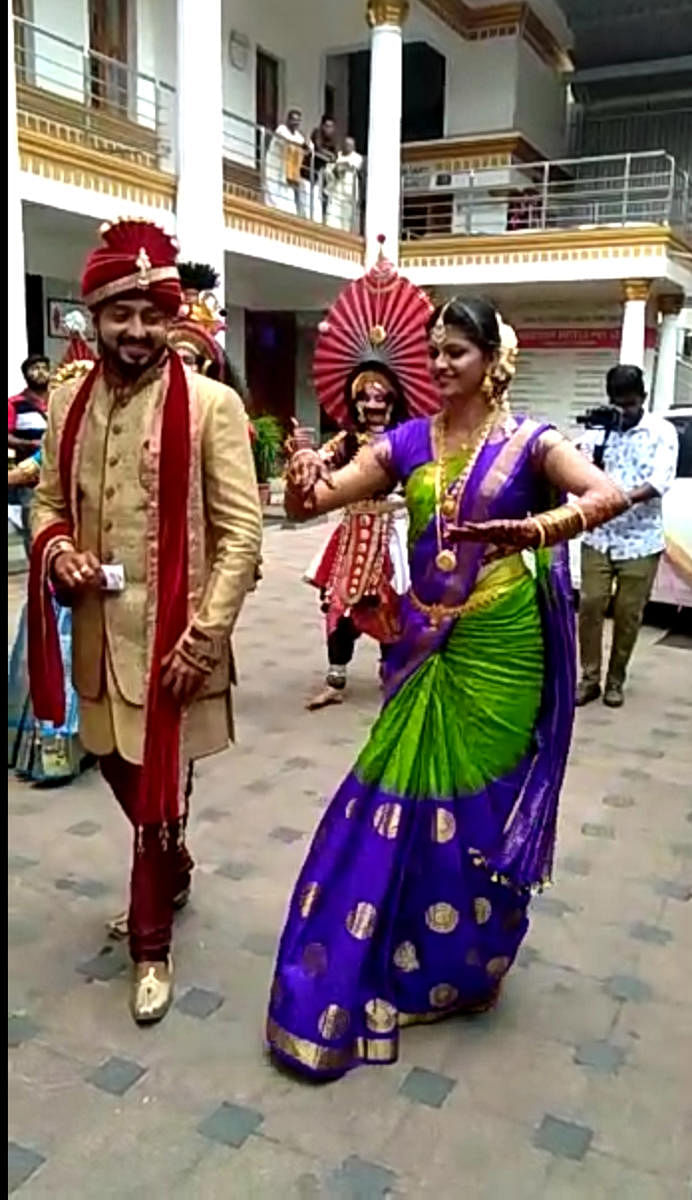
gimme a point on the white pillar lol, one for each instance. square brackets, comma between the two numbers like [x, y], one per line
[199, 209]
[16, 283]
[382, 216]
[633, 342]
[664, 387]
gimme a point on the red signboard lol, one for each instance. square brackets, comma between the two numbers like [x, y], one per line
[576, 337]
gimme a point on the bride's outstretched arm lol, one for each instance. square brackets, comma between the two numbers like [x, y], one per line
[312, 489]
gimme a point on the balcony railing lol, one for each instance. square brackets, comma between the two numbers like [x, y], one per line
[261, 165]
[91, 101]
[569, 194]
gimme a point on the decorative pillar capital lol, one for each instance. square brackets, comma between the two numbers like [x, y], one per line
[387, 12]
[636, 289]
[670, 305]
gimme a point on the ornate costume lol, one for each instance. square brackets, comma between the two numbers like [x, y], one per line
[369, 374]
[412, 901]
[163, 488]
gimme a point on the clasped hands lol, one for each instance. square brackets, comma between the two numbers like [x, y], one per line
[306, 467]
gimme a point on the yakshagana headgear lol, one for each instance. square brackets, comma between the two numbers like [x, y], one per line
[377, 321]
[199, 319]
[79, 357]
[137, 259]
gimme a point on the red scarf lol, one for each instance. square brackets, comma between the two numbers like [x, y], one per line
[158, 801]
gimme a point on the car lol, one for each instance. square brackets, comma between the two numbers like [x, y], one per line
[673, 583]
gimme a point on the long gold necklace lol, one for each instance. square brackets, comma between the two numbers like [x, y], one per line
[448, 505]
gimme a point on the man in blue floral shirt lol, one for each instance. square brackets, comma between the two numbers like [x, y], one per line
[622, 557]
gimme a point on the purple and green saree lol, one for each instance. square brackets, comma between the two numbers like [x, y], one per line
[412, 902]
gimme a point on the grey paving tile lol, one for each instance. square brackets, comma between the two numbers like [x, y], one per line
[212, 815]
[20, 1028]
[592, 829]
[600, 1056]
[665, 735]
[261, 944]
[116, 1075]
[27, 808]
[235, 870]
[231, 1124]
[574, 864]
[259, 787]
[650, 933]
[357, 1179]
[16, 863]
[91, 888]
[527, 955]
[636, 775]
[284, 833]
[628, 987]
[427, 1087]
[647, 752]
[564, 1139]
[618, 800]
[22, 1162]
[551, 905]
[299, 763]
[682, 849]
[199, 1002]
[22, 931]
[110, 962]
[673, 889]
[84, 829]
[688, 817]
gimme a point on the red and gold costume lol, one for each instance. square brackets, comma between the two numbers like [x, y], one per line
[371, 350]
[156, 476]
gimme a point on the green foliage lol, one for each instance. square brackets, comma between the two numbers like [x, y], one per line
[267, 447]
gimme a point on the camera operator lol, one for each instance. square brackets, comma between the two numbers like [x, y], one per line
[639, 451]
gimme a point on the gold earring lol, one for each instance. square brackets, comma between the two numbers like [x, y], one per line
[488, 388]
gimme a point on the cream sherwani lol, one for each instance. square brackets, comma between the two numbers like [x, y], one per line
[114, 495]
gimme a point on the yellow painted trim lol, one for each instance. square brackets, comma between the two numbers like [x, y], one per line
[249, 216]
[501, 20]
[69, 162]
[492, 149]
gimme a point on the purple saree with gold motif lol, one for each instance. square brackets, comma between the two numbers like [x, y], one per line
[412, 902]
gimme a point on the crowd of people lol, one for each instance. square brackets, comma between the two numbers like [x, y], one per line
[317, 177]
[146, 530]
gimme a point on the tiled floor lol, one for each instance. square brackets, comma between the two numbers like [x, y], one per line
[578, 1085]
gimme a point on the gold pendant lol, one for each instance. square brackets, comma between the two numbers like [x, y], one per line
[449, 507]
[446, 560]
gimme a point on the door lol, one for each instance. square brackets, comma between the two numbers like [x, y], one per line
[266, 100]
[109, 43]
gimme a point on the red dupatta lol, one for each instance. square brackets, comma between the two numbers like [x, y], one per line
[158, 800]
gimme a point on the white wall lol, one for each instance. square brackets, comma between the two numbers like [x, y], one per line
[541, 103]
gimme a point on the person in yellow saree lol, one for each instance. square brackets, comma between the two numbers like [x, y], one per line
[413, 898]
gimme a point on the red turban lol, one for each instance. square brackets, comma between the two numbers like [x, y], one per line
[137, 259]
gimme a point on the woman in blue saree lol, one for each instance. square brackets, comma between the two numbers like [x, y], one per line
[412, 902]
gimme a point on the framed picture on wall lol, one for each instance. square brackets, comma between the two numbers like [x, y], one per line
[56, 311]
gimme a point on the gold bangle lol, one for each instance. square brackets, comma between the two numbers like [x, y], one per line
[576, 506]
[541, 532]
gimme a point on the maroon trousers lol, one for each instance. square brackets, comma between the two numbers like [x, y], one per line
[161, 867]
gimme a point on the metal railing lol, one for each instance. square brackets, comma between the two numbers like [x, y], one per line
[88, 99]
[578, 193]
[291, 176]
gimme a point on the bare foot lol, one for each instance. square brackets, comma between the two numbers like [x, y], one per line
[324, 699]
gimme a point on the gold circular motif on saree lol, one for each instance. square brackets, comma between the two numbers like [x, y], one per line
[308, 898]
[387, 819]
[361, 920]
[497, 967]
[380, 1016]
[473, 958]
[405, 957]
[350, 807]
[482, 910]
[314, 960]
[444, 825]
[333, 1022]
[443, 995]
[442, 917]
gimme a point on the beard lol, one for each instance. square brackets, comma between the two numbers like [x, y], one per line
[129, 372]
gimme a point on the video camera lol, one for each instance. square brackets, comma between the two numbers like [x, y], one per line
[606, 416]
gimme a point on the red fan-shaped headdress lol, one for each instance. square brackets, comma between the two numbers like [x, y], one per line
[378, 320]
[137, 258]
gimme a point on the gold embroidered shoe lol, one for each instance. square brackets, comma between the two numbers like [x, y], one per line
[152, 991]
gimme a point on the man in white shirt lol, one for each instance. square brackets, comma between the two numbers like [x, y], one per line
[623, 555]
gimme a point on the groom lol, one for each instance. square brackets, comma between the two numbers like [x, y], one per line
[146, 521]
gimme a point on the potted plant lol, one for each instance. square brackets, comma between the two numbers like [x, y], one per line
[267, 440]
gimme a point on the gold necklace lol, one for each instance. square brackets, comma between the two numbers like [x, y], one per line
[447, 505]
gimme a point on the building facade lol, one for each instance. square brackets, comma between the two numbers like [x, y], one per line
[480, 166]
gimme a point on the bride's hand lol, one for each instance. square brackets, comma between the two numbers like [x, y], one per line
[520, 535]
